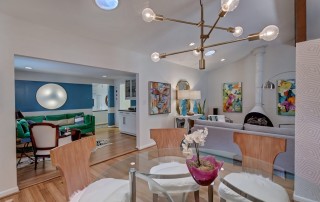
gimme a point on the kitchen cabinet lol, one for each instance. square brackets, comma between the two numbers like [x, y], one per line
[127, 122]
[130, 89]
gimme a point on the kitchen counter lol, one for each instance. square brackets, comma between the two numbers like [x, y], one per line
[126, 110]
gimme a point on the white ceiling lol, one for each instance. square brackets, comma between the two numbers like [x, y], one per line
[125, 28]
[54, 67]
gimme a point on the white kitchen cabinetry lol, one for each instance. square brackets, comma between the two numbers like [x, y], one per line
[130, 89]
[127, 122]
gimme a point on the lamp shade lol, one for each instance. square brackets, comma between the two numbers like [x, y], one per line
[195, 95]
[183, 94]
[269, 85]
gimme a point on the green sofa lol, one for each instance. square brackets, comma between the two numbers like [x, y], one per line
[68, 121]
[23, 129]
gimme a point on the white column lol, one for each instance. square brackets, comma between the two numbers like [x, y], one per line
[259, 53]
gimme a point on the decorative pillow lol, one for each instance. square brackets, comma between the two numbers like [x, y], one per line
[62, 122]
[56, 117]
[70, 121]
[272, 130]
[79, 120]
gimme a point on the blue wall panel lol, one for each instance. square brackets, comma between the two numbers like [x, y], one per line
[133, 103]
[79, 96]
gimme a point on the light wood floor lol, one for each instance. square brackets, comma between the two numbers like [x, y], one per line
[121, 144]
[53, 190]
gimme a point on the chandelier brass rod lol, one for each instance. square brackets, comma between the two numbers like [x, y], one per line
[226, 42]
[193, 23]
[214, 25]
[209, 46]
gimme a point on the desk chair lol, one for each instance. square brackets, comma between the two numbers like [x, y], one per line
[172, 138]
[258, 153]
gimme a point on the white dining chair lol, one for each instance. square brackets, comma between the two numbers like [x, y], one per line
[44, 137]
[258, 153]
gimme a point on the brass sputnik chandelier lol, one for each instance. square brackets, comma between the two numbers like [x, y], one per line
[269, 33]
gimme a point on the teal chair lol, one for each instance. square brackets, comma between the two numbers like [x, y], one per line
[23, 133]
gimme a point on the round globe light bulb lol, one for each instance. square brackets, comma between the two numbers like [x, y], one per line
[155, 57]
[148, 15]
[196, 52]
[229, 5]
[269, 33]
[237, 31]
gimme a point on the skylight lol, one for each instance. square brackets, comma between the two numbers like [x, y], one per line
[107, 4]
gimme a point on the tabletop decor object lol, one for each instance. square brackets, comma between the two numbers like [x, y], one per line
[204, 170]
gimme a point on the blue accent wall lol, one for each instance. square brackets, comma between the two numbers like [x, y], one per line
[111, 102]
[133, 103]
[79, 96]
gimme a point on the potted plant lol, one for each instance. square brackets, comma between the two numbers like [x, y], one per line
[204, 170]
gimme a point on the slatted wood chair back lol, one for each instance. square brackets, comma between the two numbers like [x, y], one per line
[168, 137]
[73, 162]
[259, 152]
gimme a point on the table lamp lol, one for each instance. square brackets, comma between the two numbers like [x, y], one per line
[189, 95]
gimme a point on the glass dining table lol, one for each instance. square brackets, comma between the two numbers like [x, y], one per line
[163, 173]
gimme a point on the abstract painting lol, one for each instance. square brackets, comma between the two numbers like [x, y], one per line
[232, 97]
[159, 98]
[286, 97]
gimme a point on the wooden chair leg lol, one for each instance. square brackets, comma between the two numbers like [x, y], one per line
[155, 197]
[44, 165]
[35, 162]
[196, 196]
[210, 193]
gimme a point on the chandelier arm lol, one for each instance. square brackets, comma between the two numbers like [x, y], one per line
[178, 52]
[226, 42]
[193, 23]
[214, 26]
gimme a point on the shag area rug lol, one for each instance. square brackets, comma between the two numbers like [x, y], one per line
[102, 143]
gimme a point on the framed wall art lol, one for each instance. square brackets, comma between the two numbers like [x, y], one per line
[286, 97]
[232, 97]
[159, 98]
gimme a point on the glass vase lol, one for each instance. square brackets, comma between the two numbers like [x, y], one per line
[204, 177]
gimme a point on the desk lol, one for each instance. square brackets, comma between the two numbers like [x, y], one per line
[186, 123]
[143, 162]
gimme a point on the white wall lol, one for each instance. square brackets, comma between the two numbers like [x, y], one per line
[99, 93]
[307, 141]
[37, 76]
[278, 59]
[26, 39]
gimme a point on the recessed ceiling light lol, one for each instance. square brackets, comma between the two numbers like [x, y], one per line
[209, 53]
[104, 76]
[28, 67]
[222, 59]
[107, 4]
[192, 44]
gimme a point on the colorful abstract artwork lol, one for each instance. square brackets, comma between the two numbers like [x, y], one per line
[159, 98]
[232, 97]
[286, 97]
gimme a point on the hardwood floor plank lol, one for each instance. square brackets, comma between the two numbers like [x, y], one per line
[121, 145]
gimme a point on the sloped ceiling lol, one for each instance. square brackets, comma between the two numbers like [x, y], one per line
[125, 28]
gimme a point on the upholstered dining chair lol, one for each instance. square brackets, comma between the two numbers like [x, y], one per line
[172, 138]
[72, 160]
[258, 154]
[44, 137]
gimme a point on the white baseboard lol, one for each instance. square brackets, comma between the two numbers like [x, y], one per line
[8, 192]
[146, 146]
[301, 199]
